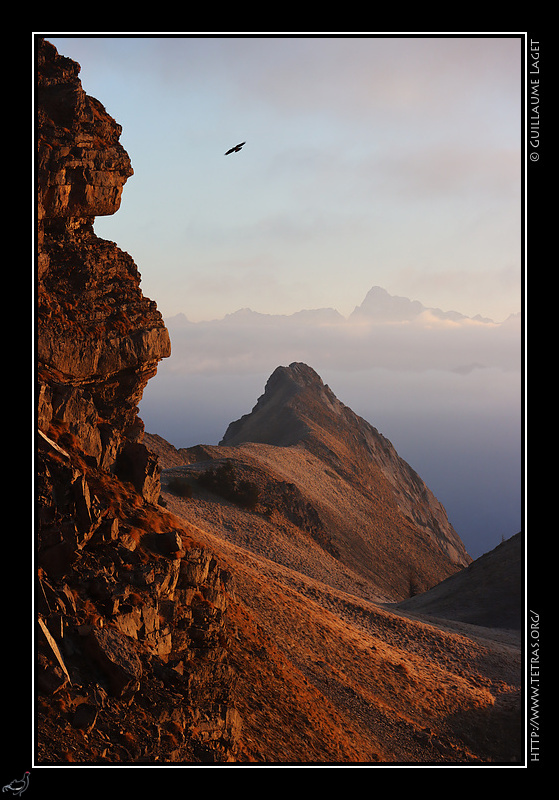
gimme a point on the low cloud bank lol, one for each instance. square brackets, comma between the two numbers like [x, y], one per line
[247, 341]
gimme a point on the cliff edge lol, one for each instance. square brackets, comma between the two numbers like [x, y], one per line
[132, 651]
[99, 339]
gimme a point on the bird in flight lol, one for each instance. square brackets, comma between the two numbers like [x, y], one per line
[235, 149]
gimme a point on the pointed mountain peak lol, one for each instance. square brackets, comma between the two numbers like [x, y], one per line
[278, 417]
[297, 373]
[381, 305]
[299, 410]
[296, 406]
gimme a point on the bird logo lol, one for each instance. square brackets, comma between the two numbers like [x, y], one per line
[235, 149]
[17, 787]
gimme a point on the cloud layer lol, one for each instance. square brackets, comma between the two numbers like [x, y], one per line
[389, 332]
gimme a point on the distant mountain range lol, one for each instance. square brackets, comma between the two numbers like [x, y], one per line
[378, 306]
[384, 331]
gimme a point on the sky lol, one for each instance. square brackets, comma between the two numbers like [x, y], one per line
[390, 161]
[368, 161]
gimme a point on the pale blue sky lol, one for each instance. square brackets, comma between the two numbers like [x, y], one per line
[392, 162]
[388, 161]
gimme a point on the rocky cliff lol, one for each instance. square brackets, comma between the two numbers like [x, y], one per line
[99, 339]
[131, 645]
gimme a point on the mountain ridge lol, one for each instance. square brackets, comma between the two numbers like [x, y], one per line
[354, 494]
[340, 636]
[378, 305]
[347, 442]
[487, 593]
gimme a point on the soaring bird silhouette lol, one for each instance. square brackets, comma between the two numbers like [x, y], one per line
[17, 787]
[235, 149]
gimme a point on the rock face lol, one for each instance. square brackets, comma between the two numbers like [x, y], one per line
[99, 339]
[130, 608]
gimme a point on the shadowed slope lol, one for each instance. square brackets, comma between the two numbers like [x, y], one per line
[488, 592]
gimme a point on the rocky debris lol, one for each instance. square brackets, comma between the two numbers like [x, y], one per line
[118, 625]
[52, 673]
[126, 600]
[85, 716]
[114, 653]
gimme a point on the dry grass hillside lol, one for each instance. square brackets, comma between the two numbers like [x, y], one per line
[332, 543]
[327, 674]
[488, 592]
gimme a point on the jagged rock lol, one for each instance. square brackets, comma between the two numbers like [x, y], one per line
[53, 675]
[86, 517]
[129, 622]
[168, 543]
[194, 568]
[108, 530]
[115, 655]
[84, 717]
[57, 560]
[50, 676]
[143, 623]
[141, 467]
[99, 339]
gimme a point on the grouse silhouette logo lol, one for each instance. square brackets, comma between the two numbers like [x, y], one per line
[17, 787]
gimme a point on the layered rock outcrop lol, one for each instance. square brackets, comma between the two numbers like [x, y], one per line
[132, 639]
[131, 610]
[99, 339]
